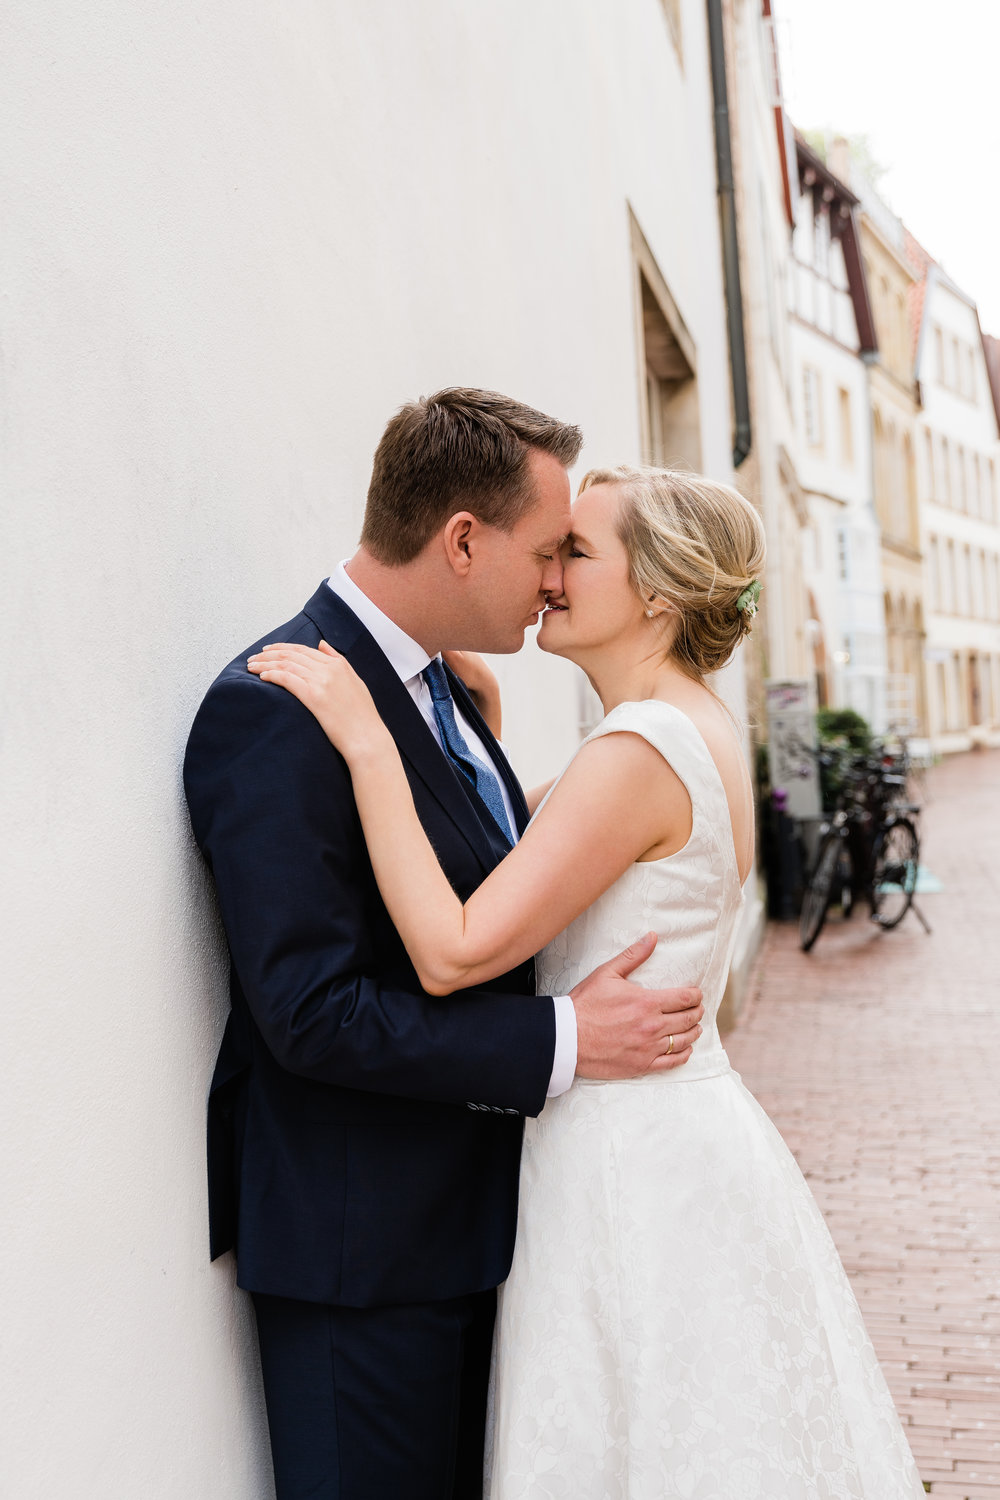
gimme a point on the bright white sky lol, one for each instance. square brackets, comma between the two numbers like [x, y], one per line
[922, 81]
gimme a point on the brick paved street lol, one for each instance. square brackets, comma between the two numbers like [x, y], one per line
[878, 1057]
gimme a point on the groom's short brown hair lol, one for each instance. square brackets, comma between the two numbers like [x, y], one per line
[456, 450]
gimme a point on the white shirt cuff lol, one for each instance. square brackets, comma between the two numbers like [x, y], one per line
[564, 1060]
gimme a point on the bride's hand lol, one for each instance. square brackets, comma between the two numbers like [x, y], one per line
[482, 684]
[330, 688]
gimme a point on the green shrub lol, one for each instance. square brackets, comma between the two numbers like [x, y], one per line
[846, 725]
[844, 733]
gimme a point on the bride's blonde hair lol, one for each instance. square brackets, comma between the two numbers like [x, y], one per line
[695, 545]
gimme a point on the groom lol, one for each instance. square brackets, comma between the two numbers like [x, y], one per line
[364, 1138]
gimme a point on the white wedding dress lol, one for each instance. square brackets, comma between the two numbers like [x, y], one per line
[677, 1322]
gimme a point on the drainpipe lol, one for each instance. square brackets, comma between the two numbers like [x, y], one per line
[730, 245]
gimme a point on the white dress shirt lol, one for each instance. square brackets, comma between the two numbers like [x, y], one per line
[408, 660]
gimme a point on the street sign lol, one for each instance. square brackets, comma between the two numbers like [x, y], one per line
[791, 735]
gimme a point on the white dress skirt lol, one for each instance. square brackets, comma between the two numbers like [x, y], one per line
[677, 1322]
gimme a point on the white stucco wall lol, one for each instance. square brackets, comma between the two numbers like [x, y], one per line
[237, 239]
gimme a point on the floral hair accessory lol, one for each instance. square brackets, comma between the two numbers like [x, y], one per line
[747, 602]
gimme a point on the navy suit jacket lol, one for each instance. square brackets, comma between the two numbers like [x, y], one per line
[364, 1137]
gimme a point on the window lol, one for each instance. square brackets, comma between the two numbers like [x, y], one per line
[945, 493]
[971, 369]
[883, 482]
[670, 416]
[963, 604]
[939, 355]
[954, 698]
[942, 693]
[934, 570]
[775, 291]
[956, 365]
[979, 504]
[902, 336]
[821, 243]
[929, 454]
[911, 514]
[846, 430]
[892, 493]
[963, 489]
[950, 590]
[885, 305]
[843, 555]
[811, 408]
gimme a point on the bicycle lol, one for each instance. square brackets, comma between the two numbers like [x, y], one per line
[870, 848]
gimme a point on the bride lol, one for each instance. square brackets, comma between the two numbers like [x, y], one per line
[676, 1321]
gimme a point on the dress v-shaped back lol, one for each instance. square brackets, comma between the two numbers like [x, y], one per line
[677, 1322]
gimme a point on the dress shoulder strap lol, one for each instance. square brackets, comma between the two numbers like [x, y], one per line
[669, 730]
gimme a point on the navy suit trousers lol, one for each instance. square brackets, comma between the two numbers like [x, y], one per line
[384, 1403]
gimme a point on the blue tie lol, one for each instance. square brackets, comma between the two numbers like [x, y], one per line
[483, 778]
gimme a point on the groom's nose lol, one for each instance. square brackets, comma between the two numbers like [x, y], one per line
[552, 575]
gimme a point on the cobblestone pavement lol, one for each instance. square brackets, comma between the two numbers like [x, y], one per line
[878, 1057]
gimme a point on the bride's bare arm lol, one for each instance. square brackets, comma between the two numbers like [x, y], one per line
[617, 800]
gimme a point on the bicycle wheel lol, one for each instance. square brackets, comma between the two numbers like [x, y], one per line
[894, 879]
[845, 880]
[819, 890]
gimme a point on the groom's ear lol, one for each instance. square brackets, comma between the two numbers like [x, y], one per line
[458, 537]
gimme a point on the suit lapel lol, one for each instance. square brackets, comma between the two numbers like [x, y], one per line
[340, 627]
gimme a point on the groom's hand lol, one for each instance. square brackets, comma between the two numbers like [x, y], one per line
[624, 1030]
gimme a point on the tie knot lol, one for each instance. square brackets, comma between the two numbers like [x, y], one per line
[434, 676]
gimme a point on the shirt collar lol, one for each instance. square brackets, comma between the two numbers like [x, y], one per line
[404, 655]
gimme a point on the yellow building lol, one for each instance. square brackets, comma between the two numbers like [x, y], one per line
[894, 411]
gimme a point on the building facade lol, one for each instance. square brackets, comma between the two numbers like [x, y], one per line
[957, 480]
[833, 341]
[895, 413]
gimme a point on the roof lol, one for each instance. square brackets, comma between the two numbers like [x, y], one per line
[915, 298]
[827, 190]
[810, 161]
[929, 270]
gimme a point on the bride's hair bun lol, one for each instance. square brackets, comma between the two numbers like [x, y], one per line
[695, 545]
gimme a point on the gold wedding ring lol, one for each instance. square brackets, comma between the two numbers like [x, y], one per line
[670, 1048]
